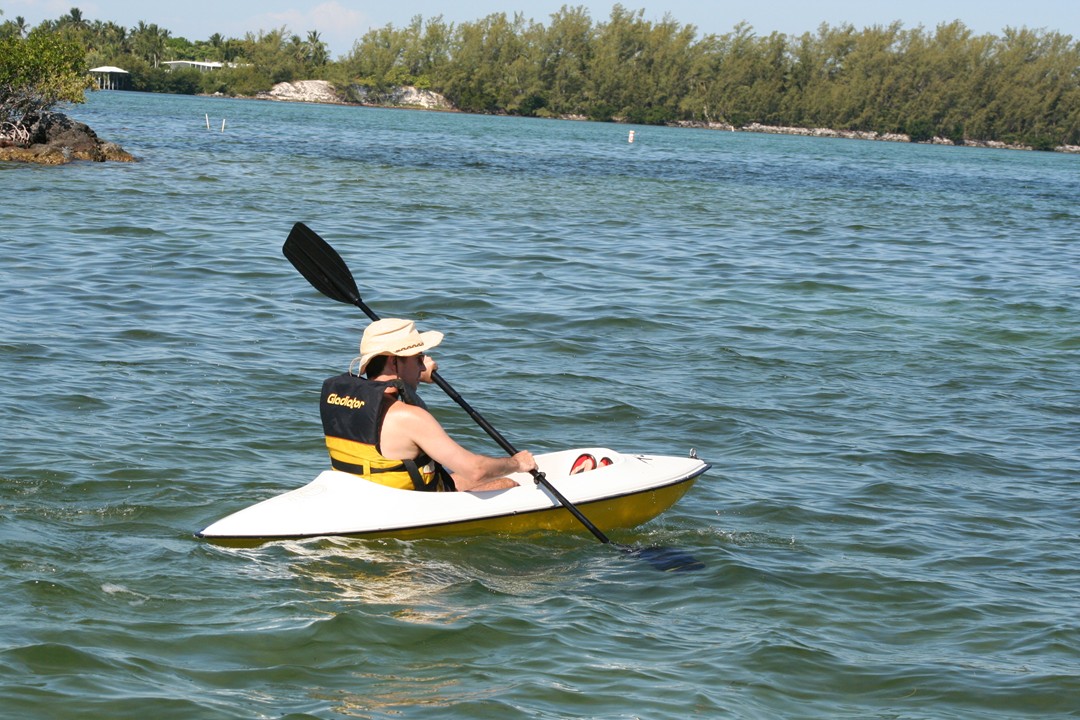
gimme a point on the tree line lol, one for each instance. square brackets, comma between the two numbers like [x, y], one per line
[1022, 86]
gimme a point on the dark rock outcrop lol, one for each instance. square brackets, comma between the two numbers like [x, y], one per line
[56, 139]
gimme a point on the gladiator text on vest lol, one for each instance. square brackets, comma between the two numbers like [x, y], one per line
[347, 401]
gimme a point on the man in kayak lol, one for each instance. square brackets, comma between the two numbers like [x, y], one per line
[376, 426]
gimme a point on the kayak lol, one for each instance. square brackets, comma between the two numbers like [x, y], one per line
[612, 489]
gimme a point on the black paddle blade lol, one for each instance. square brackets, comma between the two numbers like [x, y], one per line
[667, 559]
[320, 264]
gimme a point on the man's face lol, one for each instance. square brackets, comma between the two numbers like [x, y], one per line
[409, 369]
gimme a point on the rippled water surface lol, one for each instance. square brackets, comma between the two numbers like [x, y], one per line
[876, 345]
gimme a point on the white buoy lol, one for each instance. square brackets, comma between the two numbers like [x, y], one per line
[207, 121]
[222, 124]
[631, 138]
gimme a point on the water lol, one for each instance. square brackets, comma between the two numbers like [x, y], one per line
[877, 346]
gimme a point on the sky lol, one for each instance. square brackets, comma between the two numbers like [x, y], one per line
[341, 22]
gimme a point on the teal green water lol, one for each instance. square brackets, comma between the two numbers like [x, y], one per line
[876, 345]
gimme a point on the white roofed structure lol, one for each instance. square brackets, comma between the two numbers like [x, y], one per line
[109, 77]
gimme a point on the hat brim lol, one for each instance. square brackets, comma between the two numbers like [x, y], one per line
[430, 339]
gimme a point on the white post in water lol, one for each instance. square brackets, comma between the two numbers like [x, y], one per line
[222, 124]
[631, 138]
[207, 121]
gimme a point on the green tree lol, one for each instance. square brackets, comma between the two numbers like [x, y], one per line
[36, 74]
[74, 20]
[149, 42]
[739, 78]
[565, 56]
[14, 28]
[427, 51]
[270, 54]
[491, 68]
[612, 71]
[1034, 76]
[315, 53]
[376, 60]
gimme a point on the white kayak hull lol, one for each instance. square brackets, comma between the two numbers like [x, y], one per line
[632, 490]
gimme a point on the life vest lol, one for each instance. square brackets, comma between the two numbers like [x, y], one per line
[353, 409]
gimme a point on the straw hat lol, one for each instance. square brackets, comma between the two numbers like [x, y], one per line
[393, 336]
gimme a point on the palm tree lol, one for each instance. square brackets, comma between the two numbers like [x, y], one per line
[316, 49]
[148, 41]
[117, 34]
[298, 50]
[74, 19]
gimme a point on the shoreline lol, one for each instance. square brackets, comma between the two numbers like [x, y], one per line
[865, 135]
[88, 147]
[411, 98]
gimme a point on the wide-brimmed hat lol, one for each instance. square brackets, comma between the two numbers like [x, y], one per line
[393, 336]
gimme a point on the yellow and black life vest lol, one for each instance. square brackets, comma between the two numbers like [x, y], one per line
[353, 409]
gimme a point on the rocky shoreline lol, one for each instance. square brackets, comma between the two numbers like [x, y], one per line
[56, 139]
[863, 135]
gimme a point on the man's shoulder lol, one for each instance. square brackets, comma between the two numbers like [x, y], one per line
[410, 423]
[406, 411]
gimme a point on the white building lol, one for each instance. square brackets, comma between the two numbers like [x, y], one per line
[183, 64]
[108, 77]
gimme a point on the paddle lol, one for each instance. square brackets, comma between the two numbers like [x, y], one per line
[327, 272]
